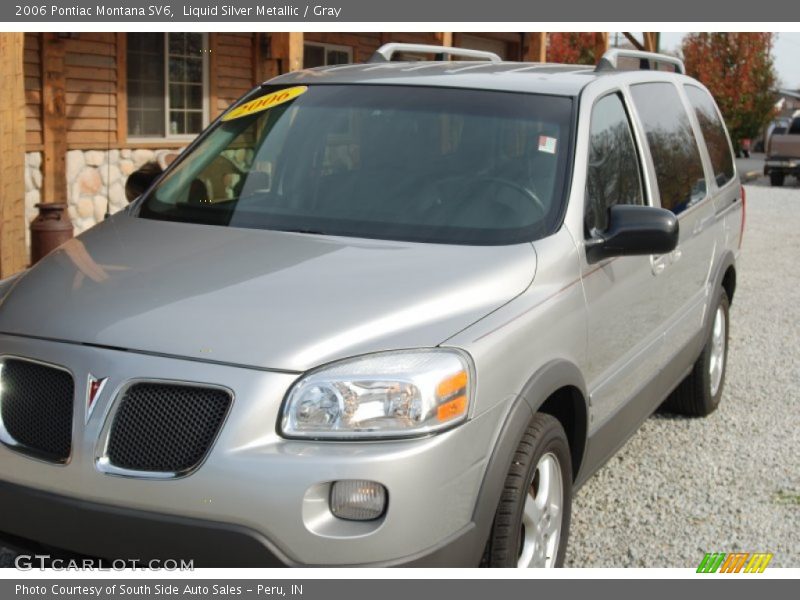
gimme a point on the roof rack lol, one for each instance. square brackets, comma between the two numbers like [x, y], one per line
[385, 52]
[647, 60]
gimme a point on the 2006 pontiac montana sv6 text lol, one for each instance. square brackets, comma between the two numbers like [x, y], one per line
[381, 314]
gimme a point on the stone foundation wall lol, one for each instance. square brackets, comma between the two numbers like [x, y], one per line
[93, 178]
[97, 177]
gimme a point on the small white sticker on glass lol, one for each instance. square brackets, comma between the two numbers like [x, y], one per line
[547, 144]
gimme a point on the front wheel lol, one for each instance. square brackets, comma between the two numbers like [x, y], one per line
[776, 179]
[531, 525]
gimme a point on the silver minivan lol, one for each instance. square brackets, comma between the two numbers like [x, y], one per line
[379, 314]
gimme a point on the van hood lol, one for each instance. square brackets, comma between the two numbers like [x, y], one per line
[267, 299]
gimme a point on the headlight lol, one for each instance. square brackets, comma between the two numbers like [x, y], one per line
[391, 394]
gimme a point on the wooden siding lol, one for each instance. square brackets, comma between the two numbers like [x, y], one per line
[90, 66]
[510, 42]
[32, 68]
[363, 44]
[233, 59]
[95, 90]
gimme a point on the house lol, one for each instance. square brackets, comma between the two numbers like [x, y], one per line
[80, 111]
[788, 103]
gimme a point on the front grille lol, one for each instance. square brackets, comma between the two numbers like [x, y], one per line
[165, 427]
[36, 408]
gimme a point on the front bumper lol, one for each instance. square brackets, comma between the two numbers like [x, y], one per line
[258, 499]
[43, 523]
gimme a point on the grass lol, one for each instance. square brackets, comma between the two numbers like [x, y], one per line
[787, 497]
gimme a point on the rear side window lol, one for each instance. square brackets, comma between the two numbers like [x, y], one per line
[713, 130]
[613, 176]
[676, 158]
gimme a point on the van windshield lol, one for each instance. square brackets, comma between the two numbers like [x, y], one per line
[407, 163]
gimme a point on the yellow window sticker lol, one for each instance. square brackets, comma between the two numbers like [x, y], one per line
[265, 102]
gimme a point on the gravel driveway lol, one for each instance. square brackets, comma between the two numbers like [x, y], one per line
[682, 487]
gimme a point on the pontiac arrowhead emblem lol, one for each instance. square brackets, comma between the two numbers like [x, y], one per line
[94, 388]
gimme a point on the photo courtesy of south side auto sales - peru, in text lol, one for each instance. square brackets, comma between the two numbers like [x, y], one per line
[208, 10]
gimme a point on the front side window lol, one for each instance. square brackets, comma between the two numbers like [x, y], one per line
[713, 130]
[166, 77]
[613, 176]
[409, 163]
[676, 158]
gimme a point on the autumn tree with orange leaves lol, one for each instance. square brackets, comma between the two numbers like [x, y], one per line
[575, 48]
[738, 70]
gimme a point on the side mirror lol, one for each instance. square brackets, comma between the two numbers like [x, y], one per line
[634, 230]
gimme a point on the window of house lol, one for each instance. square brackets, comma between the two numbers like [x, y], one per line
[676, 157]
[167, 78]
[323, 55]
[719, 149]
[613, 176]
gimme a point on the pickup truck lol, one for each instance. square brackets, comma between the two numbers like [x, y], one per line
[783, 153]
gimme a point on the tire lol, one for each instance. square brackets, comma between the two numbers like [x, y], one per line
[543, 452]
[776, 179]
[7, 558]
[699, 394]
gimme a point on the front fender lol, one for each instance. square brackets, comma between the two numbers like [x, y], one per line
[549, 379]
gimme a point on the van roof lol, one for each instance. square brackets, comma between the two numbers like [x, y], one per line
[542, 78]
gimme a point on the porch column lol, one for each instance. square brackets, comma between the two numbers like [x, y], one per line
[600, 44]
[445, 38]
[13, 256]
[651, 39]
[536, 48]
[54, 120]
[287, 47]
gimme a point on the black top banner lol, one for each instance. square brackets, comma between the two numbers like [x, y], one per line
[446, 11]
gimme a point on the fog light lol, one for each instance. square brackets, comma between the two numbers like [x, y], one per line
[358, 500]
